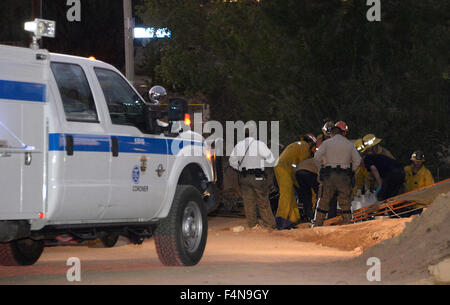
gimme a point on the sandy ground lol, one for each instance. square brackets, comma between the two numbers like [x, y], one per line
[300, 256]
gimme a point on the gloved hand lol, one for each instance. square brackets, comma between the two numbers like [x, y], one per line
[378, 190]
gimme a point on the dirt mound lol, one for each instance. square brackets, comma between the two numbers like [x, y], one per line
[358, 236]
[425, 241]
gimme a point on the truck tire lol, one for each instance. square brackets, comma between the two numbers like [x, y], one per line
[180, 238]
[22, 252]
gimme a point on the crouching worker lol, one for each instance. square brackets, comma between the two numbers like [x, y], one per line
[249, 158]
[288, 214]
[336, 157]
[417, 175]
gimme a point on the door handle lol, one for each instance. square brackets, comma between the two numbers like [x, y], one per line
[69, 145]
[28, 158]
[114, 146]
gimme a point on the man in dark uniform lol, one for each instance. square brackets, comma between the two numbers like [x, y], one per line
[306, 175]
[338, 158]
[388, 173]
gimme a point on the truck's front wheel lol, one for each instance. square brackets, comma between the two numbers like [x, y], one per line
[22, 252]
[180, 238]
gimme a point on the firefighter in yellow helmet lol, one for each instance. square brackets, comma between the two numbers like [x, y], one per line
[372, 146]
[417, 175]
[287, 213]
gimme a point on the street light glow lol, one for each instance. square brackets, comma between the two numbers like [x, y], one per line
[148, 33]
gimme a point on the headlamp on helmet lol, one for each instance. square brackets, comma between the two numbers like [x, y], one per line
[326, 129]
[418, 156]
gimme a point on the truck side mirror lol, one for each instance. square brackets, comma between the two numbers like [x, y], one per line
[177, 109]
[157, 93]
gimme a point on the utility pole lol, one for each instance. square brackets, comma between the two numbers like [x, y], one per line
[36, 9]
[36, 12]
[128, 33]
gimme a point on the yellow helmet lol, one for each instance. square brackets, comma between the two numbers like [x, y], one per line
[370, 140]
[359, 145]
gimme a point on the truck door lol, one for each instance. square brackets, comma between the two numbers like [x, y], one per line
[139, 160]
[23, 97]
[82, 144]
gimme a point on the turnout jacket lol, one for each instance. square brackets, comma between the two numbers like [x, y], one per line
[422, 178]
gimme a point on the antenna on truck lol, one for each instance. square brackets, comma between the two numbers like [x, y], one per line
[40, 28]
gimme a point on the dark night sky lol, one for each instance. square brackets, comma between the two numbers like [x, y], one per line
[99, 33]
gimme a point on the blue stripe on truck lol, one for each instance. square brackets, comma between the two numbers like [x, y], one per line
[102, 143]
[22, 91]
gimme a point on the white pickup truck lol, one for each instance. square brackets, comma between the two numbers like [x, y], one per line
[82, 157]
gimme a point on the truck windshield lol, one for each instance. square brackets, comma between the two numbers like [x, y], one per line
[124, 104]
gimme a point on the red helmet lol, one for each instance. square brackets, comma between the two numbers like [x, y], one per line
[310, 138]
[342, 126]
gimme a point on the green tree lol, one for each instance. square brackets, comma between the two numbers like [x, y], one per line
[300, 61]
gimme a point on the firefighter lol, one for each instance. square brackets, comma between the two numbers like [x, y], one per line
[288, 215]
[417, 175]
[372, 146]
[336, 157]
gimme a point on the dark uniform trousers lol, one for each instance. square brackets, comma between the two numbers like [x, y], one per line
[307, 182]
[339, 183]
[255, 194]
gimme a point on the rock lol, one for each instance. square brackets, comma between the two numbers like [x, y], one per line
[358, 251]
[440, 272]
[238, 229]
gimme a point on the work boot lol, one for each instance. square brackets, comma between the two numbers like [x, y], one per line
[318, 220]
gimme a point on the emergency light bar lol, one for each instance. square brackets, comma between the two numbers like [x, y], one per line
[41, 28]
